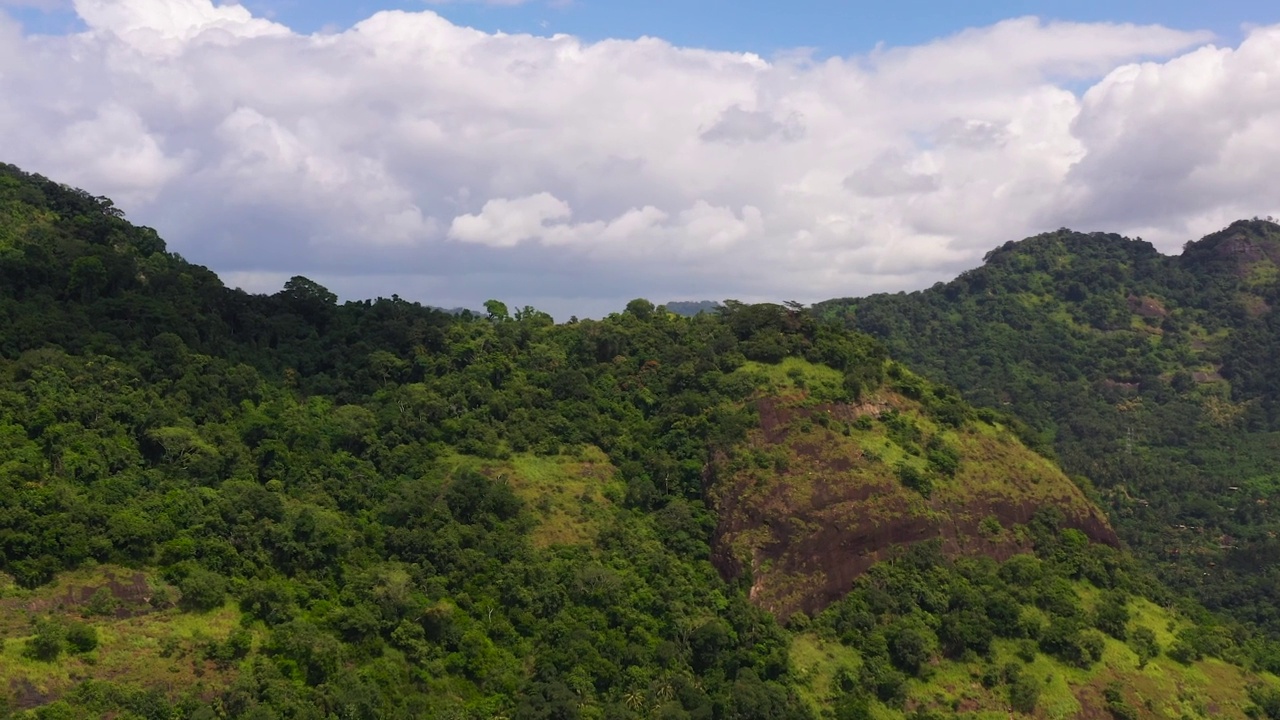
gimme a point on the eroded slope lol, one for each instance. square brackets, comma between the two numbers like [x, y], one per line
[822, 491]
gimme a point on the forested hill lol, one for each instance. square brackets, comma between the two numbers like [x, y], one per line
[1153, 376]
[215, 504]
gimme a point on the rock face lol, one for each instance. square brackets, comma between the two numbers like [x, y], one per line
[1241, 249]
[819, 494]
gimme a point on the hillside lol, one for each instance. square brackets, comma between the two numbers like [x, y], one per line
[822, 490]
[1153, 376]
[216, 504]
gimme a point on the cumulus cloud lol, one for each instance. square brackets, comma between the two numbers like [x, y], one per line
[891, 174]
[736, 126]
[504, 223]
[410, 155]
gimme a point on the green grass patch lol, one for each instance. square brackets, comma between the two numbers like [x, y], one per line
[568, 494]
[140, 646]
[819, 664]
[819, 382]
[1163, 689]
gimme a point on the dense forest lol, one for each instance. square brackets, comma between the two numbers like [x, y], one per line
[1154, 377]
[215, 504]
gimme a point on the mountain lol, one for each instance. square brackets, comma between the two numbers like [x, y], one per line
[690, 308]
[218, 504]
[1153, 376]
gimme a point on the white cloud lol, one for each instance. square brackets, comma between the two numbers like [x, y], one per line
[892, 174]
[1184, 145]
[170, 25]
[736, 126]
[414, 156]
[504, 223]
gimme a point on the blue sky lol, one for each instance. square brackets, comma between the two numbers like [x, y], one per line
[838, 27]
[831, 27]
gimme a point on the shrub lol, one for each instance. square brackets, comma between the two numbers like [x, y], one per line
[47, 643]
[1116, 704]
[1067, 641]
[82, 638]
[1112, 615]
[915, 479]
[990, 527]
[235, 647]
[943, 458]
[1024, 693]
[202, 590]
[102, 603]
[1143, 641]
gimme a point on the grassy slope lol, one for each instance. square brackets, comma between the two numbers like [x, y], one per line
[138, 644]
[1164, 688]
[568, 494]
[821, 474]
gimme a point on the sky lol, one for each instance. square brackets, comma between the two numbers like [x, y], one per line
[573, 155]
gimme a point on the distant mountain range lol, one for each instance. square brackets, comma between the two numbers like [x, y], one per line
[691, 308]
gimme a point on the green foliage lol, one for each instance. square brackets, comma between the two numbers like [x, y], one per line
[1266, 702]
[1111, 615]
[905, 615]
[853, 707]
[235, 647]
[357, 485]
[202, 590]
[1119, 708]
[1144, 644]
[914, 478]
[1186, 648]
[1151, 376]
[943, 458]
[910, 645]
[81, 638]
[1024, 693]
[362, 481]
[48, 640]
[103, 602]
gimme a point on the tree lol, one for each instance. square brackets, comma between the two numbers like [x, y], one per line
[1112, 614]
[81, 637]
[202, 590]
[299, 289]
[1143, 641]
[640, 308]
[88, 278]
[47, 642]
[909, 647]
[1266, 702]
[1024, 693]
[497, 311]
[914, 478]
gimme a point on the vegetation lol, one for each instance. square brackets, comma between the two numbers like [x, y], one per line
[956, 637]
[216, 504]
[821, 490]
[1154, 377]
